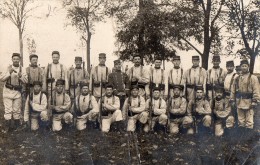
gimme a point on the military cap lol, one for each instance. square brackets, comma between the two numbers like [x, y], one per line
[83, 84]
[238, 67]
[219, 88]
[55, 52]
[216, 58]
[230, 63]
[156, 89]
[195, 58]
[176, 58]
[102, 55]
[134, 87]
[199, 87]
[136, 55]
[244, 62]
[77, 58]
[158, 58]
[181, 87]
[109, 86]
[117, 62]
[37, 83]
[16, 55]
[33, 56]
[60, 82]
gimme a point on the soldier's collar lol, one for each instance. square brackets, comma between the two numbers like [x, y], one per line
[194, 67]
[216, 67]
[34, 66]
[16, 66]
[55, 63]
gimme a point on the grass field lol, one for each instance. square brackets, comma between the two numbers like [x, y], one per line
[93, 147]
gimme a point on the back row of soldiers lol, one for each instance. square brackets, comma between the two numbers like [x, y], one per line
[176, 99]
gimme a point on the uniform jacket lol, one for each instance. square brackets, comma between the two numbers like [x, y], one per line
[158, 106]
[120, 81]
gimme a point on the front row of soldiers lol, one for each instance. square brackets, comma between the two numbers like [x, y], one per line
[179, 100]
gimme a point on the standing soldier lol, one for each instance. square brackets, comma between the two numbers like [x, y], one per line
[229, 79]
[175, 76]
[222, 112]
[194, 76]
[60, 105]
[238, 69]
[134, 107]
[85, 107]
[215, 76]
[178, 112]
[110, 112]
[14, 77]
[53, 72]
[245, 93]
[139, 76]
[36, 107]
[99, 74]
[76, 76]
[199, 109]
[158, 109]
[120, 82]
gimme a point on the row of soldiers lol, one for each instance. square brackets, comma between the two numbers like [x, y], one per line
[175, 100]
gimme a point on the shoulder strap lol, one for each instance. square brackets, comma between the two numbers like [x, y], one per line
[232, 80]
[160, 102]
[63, 101]
[171, 75]
[161, 76]
[139, 101]
[190, 74]
[78, 106]
[248, 81]
[106, 72]
[41, 98]
[181, 75]
[209, 75]
[61, 69]
[96, 70]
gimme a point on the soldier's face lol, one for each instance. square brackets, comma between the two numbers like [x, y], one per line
[16, 60]
[157, 63]
[102, 60]
[34, 61]
[37, 89]
[216, 63]
[134, 92]
[244, 68]
[230, 69]
[55, 58]
[176, 63]
[59, 88]
[199, 94]
[84, 90]
[156, 94]
[118, 66]
[219, 94]
[176, 91]
[78, 63]
[109, 92]
[195, 62]
[137, 61]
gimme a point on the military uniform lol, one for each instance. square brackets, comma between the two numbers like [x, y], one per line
[200, 109]
[215, 76]
[12, 92]
[229, 80]
[245, 92]
[86, 109]
[36, 109]
[192, 77]
[99, 74]
[178, 113]
[120, 82]
[134, 108]
[110, 112]
[63, 103]
[158, 79]
[75, 77]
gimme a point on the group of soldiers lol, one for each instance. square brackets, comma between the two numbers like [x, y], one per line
[217, 99]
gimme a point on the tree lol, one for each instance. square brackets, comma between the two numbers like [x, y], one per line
[83, 14]
[18, 12]
[244, 21]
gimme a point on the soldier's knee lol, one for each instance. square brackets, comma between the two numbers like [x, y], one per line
[146, 128]
[163, 119]
[118, 115]
[174, 129]
[230, 122]
[190, 131]
[143, 117]
[44, 116]
[219, 131]
[207, 121]
[187, 122]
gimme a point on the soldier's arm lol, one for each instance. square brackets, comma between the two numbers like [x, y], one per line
[67, 103]
[207, 108]
[162, 109]
[24, 76]
[66, 78]
[147, 105]
[145, 78]
[42, 106]
[127, 83]
[142, 106]
[114, 106]
[5, 75]
[26, 110]
[233, 89]
[95, 105]
[189, 108]
[255, 89]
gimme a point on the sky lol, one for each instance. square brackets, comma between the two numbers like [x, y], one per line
[51, 33]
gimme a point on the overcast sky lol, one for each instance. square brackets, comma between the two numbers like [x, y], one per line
[50, 33]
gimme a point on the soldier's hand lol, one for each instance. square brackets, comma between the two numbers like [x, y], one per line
[19, 74]
[57, 108]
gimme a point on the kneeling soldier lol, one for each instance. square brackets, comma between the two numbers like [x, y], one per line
[60, 106]
[222, 112]
[156, 106]
[85, 107]
[36, 107]
[200, 109]
[134, 108]
[177, 108]
[110, 109]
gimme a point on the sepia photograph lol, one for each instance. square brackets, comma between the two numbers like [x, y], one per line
[135, 82]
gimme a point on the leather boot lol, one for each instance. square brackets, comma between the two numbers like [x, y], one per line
[7, 126]
[17, 124]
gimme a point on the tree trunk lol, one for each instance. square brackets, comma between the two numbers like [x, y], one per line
[252, 62]
[88, 51]
[21, 45]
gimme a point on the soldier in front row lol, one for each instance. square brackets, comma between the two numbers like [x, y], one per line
[134, 109]
[36, 107]
[199, 109]
[157, 107]
[14, 78]
[85, 107]
[110, 112]
[60, 106]
[178, 112]
[223, 114]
